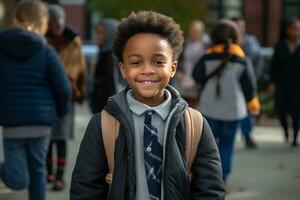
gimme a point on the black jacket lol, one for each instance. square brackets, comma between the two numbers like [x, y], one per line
[285, 74]
[88, 179]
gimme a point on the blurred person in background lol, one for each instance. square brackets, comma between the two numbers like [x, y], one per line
[251, 48]
[34, 91]
[193, 48]
[107, 77]
[67, 43]
[228, 82]
[285, 77]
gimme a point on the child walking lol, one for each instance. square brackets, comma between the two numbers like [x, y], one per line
[35, 91]
[149, 151]
[228, 82]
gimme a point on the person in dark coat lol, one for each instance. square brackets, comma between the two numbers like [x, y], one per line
[34, 93]
[107, 78]
[150, 149]
[285, 77]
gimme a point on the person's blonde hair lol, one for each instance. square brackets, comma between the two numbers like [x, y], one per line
[28, 13]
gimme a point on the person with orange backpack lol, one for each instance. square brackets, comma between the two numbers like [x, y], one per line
[228, 88]
[146, 143]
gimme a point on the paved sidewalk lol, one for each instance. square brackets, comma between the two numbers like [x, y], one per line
[270, 173]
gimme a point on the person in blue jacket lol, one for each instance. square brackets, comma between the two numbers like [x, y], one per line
[34, 91]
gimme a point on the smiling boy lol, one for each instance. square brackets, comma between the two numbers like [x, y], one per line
[150, 148]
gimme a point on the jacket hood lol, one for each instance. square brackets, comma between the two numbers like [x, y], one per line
[117, 104]
[19, 44]
[110, 26]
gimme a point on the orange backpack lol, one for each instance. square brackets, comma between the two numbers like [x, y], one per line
[110, 131]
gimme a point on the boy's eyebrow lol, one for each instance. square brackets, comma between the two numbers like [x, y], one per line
[138, 55]
[133, 54]
[161, 54]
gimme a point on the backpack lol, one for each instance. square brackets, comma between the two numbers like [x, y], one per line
[110, 131]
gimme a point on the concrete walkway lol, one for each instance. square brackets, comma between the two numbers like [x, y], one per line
[271, 172]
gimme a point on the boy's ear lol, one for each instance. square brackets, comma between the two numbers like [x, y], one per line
[173, 68]
[122, 69]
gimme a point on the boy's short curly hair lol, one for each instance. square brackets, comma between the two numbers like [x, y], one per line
[148, 22]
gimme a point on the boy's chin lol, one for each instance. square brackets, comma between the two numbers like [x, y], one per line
[148, 94]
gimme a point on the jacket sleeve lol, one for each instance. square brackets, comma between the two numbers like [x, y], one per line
[59, 83]
[207, 182]
[199, 71]
[256, 57]
[248, 81]
[275, 66]
[88, 178]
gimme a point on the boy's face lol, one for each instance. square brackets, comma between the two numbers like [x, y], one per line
[148, 66]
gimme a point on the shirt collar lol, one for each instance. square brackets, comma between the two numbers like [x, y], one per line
[139, 108]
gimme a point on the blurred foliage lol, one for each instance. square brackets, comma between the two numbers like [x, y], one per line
[2, 13]
[267, 104]
[183, 11]
[266, 99]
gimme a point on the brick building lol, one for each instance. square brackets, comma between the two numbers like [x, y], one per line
[263, 17]
[75, 12]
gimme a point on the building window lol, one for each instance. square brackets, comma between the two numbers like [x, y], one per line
[291, 8]
[233, 8]
[225, 9]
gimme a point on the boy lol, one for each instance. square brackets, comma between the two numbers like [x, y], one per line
[149, 151]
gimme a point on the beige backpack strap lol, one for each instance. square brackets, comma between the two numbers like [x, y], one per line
[193, 125]
[110, 131]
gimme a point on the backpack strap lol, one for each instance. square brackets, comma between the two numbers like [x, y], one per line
[110, 131]
[193, 126]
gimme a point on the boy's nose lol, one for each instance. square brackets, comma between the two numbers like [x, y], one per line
[148, 68]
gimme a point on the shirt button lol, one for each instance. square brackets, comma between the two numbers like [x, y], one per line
[149, 149]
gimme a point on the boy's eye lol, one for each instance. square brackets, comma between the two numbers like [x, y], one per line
[136, 62]
[159, 62]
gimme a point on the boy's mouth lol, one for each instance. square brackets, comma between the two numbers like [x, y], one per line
[147, 82]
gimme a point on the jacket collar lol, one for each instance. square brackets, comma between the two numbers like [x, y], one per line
[117, 105]
[139, 108]
[233, 49]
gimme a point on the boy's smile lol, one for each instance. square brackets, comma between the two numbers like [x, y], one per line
[148, 66]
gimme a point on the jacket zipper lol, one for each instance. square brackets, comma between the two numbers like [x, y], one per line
[164, 148]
